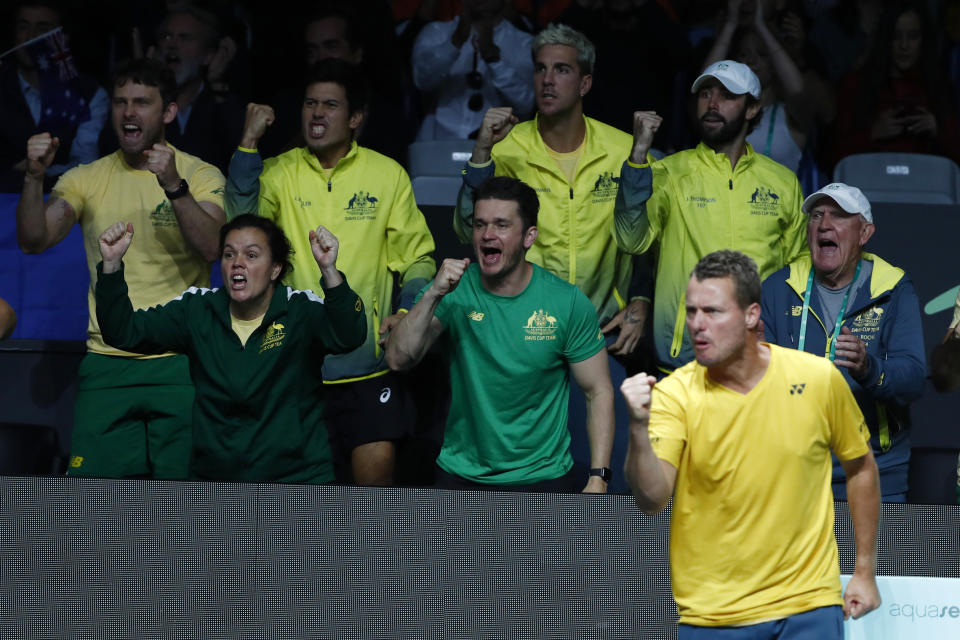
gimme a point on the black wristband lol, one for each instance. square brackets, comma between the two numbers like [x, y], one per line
[182, 189]
[604, 472]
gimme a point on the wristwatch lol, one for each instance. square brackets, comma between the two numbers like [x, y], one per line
[182, 189]
[604, 472]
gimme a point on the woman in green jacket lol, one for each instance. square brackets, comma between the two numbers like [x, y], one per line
[255, 349]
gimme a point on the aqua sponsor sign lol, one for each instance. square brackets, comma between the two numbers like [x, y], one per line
[917, 608]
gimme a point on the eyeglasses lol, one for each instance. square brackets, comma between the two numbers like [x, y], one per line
[475, 82]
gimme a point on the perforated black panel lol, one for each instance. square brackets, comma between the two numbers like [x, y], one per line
[144, 559]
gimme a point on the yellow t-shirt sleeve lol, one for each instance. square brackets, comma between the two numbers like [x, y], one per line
[70, 189]
[849, 435]
[207, 184]
[668, 422]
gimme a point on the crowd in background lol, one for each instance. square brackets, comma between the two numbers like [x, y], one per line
[838, 77]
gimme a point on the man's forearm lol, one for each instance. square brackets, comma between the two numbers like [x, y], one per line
[863, 496]
[631, 219]
[200, 228]
[644, 471]
[411, 338]
[600, 425]
[31, 222]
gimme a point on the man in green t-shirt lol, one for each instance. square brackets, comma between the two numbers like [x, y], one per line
[513, 333]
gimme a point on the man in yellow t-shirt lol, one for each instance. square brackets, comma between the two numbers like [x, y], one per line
[133, 413]
[741, 439]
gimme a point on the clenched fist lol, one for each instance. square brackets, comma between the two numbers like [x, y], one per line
[41, 149]
[259, 117]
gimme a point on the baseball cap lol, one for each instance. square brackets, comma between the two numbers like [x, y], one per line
[850, 199]
[735, 76]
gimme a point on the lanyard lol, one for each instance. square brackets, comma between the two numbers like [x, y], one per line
[837, 324]
[773, 119]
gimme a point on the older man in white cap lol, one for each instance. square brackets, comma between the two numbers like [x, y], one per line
[719, 195]
[860, 312]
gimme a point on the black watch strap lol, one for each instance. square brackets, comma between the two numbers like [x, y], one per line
[182, 189]
[604, 472]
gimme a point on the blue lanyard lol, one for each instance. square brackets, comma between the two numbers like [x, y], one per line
[839, 322]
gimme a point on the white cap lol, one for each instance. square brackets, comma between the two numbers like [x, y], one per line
[735, 76]
[848, 198]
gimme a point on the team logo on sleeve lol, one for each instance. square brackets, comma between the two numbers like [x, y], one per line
[605, 187]
[273, 337]
[764, 202]
[362, 206]
[541, 326]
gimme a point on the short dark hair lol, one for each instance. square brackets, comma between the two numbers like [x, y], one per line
[57, 6]
[344, 74]
[347, 15]
[738, 267]
[513, 190]
[150, 73]
[206, 18]
[280, 249]
[753, 122]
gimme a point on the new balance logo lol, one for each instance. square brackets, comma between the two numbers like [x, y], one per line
[797, 388]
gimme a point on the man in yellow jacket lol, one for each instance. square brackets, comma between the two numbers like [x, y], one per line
[366, 200]
[719, 195]
[574, 163]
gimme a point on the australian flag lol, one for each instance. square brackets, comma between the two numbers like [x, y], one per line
[62, 105]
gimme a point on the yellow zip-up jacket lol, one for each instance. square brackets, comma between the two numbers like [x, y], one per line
[575, 238]
[366, 201]
[698, 204]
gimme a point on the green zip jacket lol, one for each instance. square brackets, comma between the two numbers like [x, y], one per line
[698, 204]
[366, 201]
[258, 413]
[575, 238]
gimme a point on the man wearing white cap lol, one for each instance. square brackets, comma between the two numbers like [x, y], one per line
[719, 195]
[860, 312]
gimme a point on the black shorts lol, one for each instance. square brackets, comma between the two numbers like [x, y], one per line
[369, 410]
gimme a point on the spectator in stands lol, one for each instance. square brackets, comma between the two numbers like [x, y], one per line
[209, 116]
[945, 362]
[862, 314]
[472, 63]
[740, 439]
[794, 100]
[258, 415]
[574, 163]
[901, 99]
[841, 38]
[24, 95]
[617, 27]
[176, 201]
[8, 319]
[945, 365]
[722, 194]
[512, 331]
[390, 121]
[366, 200]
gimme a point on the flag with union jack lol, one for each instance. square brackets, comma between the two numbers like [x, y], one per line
[62, 104]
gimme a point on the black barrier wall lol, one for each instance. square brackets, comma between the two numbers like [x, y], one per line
[149, 559]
